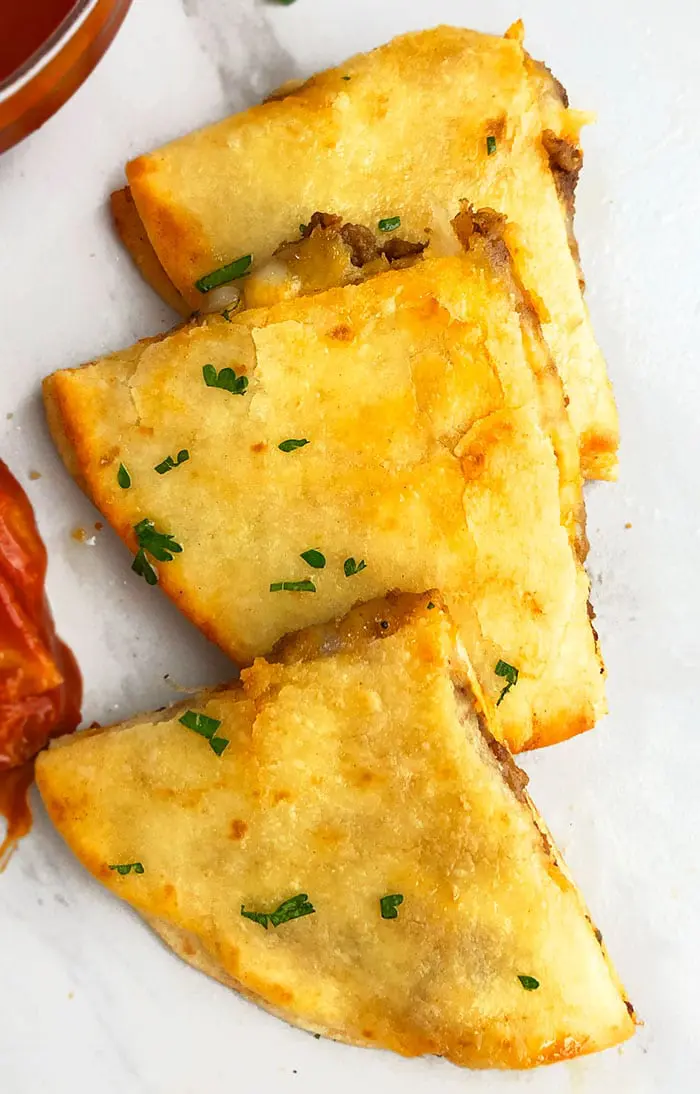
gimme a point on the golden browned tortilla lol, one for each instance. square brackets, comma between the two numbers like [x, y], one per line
[428, 402]
[404, 893]
[405, 131]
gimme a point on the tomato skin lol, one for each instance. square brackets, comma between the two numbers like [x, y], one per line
[40, 685]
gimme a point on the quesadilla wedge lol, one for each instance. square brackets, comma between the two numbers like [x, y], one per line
[273, 468]
[389, 142]
[339, 838]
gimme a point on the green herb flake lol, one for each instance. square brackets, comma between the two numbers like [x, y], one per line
[206, 727]
[293, 908]
[161, 545]
[510, 675]
[123, 477]
[143, 568]
[529, 983]
[226, 314]
[285, 3]
[291, 444]
[302, 229]
[389, 224]
[346, 77]
[430, 605]
[314, 558]
[169, 463]
[351, 567]
[293, 587]
[125, 868]
[226, 379]
[231, 272]
[389, 905]
[490, 145]
[257, 917]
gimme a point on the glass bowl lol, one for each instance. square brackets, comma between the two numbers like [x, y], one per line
[56, 69]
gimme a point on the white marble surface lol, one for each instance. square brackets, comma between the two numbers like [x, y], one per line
[89, 1000]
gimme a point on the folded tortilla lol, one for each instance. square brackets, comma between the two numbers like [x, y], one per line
[423, 398]
[405, 131]
[340, 839]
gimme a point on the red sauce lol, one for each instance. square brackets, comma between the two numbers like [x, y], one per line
[40, 685]
[24, 27]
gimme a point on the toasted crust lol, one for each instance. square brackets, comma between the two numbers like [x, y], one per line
[219, 193]
[133, 235]
[430, 459]
[356, 766]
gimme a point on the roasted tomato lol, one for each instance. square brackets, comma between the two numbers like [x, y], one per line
[40, 686]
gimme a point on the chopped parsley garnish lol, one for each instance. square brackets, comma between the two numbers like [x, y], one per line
[389, 905]
[226, 314]
[231, 272]
[206, 727]
[430, 605]
[529, 983]
[351, 567]
[346, 77]
[293, 908]
[168, 463]
[285, 3]
[291, 444]
[143, 568]
[490, 145]
[225, 379]
[389, 224]
[126, 867]
[257, 917]
[314, 558]
[161, 545]
[123, 477]
[293, 587]
[302, 229]
[510, 675]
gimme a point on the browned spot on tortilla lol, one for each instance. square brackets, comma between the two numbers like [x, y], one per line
[533, 604]
[497, 127]
[342, 333]
[259, 446]
[281, 796]
[188, 948]
[109, 457]
[238, 829]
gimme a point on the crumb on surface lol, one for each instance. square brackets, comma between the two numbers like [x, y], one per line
[34, 475]
[628, 524]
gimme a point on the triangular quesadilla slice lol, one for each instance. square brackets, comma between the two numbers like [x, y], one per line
[338, 837]
[389, 142]
[271, 469]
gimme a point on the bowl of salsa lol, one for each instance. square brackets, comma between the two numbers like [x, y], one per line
[47, 49]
